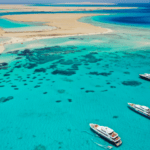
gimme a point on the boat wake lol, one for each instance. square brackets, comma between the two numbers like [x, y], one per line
[100, 145]
[103, 146]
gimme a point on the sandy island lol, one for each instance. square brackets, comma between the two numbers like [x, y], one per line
[25, 8]
[66, 25]
[88, 3]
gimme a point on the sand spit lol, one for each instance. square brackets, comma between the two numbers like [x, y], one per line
[1, 32]
[21, 40]
[66, 25]
[88, 3]
[1, 48]
[25, 8]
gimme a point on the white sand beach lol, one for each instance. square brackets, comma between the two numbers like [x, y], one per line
[66, 25]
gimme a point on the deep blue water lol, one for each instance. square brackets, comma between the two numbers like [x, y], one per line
[111, 5]
[52, 89]
[133, 17]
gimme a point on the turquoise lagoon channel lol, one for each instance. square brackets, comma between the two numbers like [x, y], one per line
[15, 26]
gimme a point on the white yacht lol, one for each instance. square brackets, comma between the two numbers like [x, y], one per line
[107, 133]
[145, 76]
[140, 109]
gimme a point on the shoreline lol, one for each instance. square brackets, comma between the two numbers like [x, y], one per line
[87, 3]
[66, 25]
[25, 8]
[2, 48]
[21, 40]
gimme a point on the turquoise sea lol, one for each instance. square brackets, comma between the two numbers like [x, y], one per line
[51, 89]
[13, 26]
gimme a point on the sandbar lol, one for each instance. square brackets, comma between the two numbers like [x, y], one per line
[65, 25]
[25, 8]
[87, 3]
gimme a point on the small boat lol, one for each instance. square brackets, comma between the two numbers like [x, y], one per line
[145, 76]
[107, 133]
[140, 109]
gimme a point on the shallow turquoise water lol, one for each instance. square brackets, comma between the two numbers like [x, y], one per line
[61, 85]
[83, 78]
[15, 26]
[6, 9]
[5, 23]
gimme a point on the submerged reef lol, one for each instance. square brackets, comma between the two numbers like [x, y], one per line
[131, 83]
[90, 58]
[88, 91]
[3, 65]
[115, 117]
[40, 147]
[102, 74]
[63, 72]
[5, 99]
[58, 101]
[61, 91]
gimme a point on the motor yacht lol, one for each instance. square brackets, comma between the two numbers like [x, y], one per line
[144, 110]
[107, 133]
[145, 76]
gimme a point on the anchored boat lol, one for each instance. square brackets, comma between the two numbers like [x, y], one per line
[145, 76]
[144, 110]
[107, 133]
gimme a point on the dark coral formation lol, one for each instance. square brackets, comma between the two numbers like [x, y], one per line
[75, 66]
[3, 66]
[61, 91]
[70, 100]
[40, 70]
[112, 86]
[90, 58]
[30, 65]
[63, 62]
[2, 85]
[40, 147]
[131, 83]
[5, 99]
[37, 86]
[115, 117]
[104, 91]
[6, 75]
[88, 91]
[58, 101]
[63, 72]
[103, 73]
[126, 72]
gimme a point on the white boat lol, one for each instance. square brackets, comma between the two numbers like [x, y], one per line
[145, 76]
[107, 133]
[140, 109]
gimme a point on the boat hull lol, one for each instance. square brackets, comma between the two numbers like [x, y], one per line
[142, 114]
[104, 138]
[144, 78]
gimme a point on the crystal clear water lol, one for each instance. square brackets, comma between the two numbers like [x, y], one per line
[58, 86]
[14, 26]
